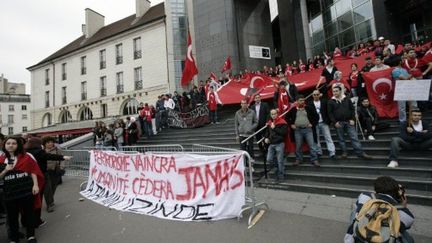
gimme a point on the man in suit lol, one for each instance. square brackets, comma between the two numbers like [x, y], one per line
[262, 111]
[322, 127]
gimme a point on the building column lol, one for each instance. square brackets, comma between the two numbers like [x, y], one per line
[305, 24]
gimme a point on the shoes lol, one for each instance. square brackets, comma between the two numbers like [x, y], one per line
[365, 156]
[32, 240]
[370, 137]
[344, 156]
[316, 163]
[332, 156]
[42, 223]
[296, 163]
[393, 164]
[50, 208]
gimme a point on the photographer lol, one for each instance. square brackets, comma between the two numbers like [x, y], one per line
[388, 190]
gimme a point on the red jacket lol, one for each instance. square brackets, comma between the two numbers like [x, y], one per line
[146, 113]
[212, 103]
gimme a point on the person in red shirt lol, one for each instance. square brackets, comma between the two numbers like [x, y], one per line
[353, 80]
[361, 50]
[288, 70]
[295, 68]
[302, 66]
[146, 113]
[311, 65]
[413, 65]
[20, 170]
[212, 102]
[337, 53]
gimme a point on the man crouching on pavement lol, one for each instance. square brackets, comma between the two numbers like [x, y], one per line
[275, 136]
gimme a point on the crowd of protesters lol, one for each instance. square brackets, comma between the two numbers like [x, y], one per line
[338, 103]
[30, 170]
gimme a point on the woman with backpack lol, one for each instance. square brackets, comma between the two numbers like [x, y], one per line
[22, 182]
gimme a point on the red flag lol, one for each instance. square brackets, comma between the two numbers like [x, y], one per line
[399, 49]
[380, 88]
[213, 77]
[190, 69]
[227, 64]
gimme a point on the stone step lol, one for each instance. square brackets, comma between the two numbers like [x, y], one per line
[342, 190]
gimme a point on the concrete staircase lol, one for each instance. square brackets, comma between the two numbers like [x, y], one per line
[335, 177]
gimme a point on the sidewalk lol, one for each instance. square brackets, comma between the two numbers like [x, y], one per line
[294, 217]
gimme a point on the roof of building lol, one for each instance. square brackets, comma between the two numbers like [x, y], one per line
[154, 13]
[15, 98]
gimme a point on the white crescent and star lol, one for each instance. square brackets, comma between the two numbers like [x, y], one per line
[380, 81]
[253, 81]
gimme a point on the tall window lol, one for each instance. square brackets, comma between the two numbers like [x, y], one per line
[137, 47]
[83, 65]
[119, 82]
[138, 78]
[130, 107]
[86, 114]
[64, 76]
[119, 53]
[102, 59]
[83, 90]
[104, 109]
[103, 86]
[10, 130]
[64, 95]
[11, 108]
[47, 80]
[23, 107]
[47, 101]
[10, 119]
[24, 129]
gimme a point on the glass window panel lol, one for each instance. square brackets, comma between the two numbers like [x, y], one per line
[332, 43]
[345, 21]
[333, 12]
[319, 48]
[347, 37]
[327, 16]
[318, 37]
[317, 23]
[364, 30]
[330, 29]
[357, 2]
[363, 13]
[342, 7]
[328, 3]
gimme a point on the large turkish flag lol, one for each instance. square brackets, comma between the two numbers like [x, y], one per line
[380, 88]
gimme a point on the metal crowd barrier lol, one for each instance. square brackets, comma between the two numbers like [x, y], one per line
[105, 148]
[78, 166]
[251, 202]
[168, 148]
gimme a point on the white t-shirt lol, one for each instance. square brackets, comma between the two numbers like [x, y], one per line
[418, 127]
[318, 109]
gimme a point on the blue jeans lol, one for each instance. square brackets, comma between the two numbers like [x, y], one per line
[402, 109]
[305, 133]
[148, 130]
[324, 129]
[278, 150]
[213, 116]
[352, 133]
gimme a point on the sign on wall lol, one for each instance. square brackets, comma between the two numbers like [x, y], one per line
[178, 186]
[259, 52]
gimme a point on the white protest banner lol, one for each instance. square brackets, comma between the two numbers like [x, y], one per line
[176, 186]
[412, 89]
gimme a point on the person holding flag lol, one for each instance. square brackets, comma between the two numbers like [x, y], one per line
[212, 102]
[281, 98]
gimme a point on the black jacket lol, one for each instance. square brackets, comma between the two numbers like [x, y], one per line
[312, 115]
[323, 110]
[42, 157]
[415, 137]
[364, 114]
[263, 114]
[277, 134]
[340, 111]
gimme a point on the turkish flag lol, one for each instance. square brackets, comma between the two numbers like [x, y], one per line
[380, 88]
[227, 64]
[190, 69]
[213, 77]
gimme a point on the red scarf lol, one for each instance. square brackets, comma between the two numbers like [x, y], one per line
[26, 163]
[277, 121]
[283, 101]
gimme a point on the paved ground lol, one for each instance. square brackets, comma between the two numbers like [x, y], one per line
[294, 217]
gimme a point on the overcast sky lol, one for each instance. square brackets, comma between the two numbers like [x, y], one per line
[31, 30]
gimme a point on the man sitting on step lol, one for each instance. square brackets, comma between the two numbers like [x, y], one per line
[415, 135]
